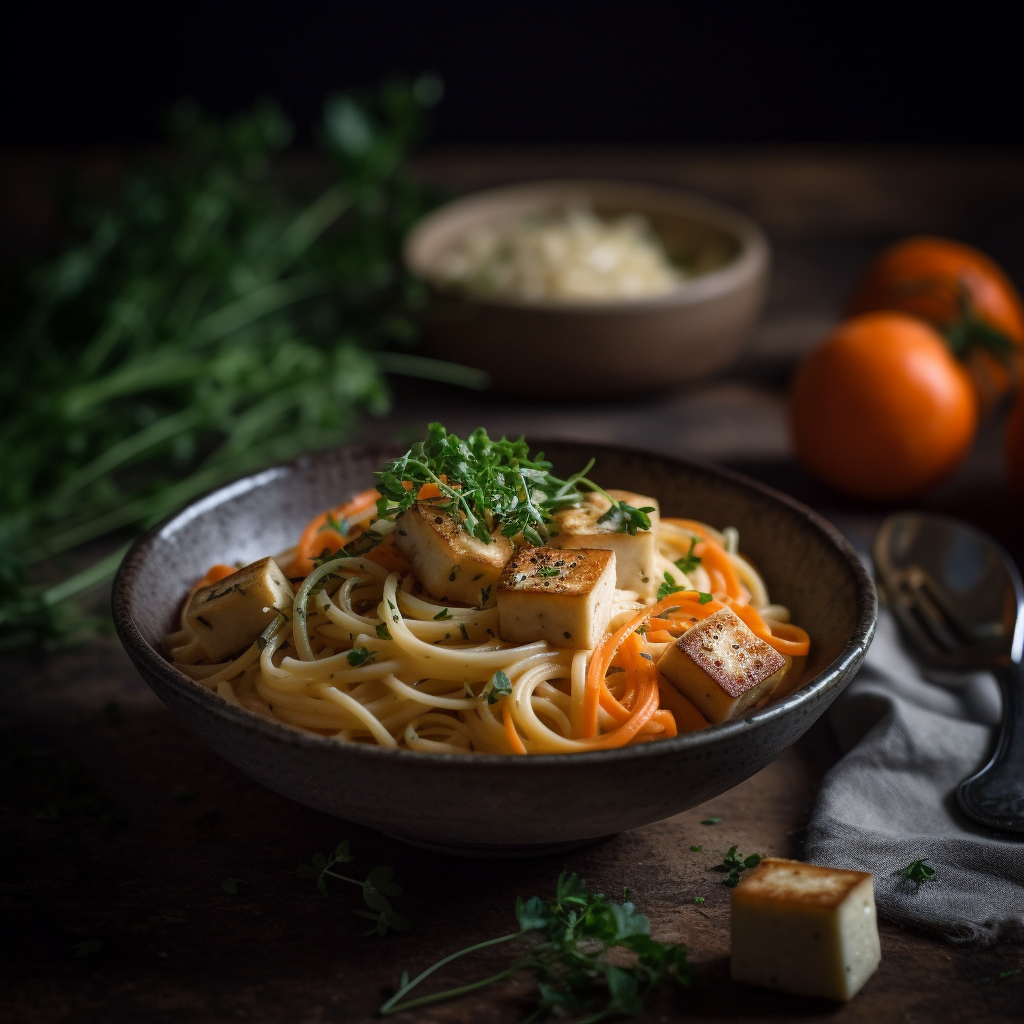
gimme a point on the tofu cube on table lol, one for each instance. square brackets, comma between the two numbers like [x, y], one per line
[451, 564]
[636, 555]
[228, 616]
[804, 929]
[563, 597]
[722, 667]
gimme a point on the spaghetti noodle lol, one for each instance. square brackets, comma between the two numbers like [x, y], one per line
[364, 655]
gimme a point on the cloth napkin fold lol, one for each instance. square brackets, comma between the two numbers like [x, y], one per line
[891, 799]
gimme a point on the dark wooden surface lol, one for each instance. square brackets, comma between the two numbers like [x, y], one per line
[151, 822]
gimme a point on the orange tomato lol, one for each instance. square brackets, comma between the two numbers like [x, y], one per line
[881, 409]
[1014, 444]
[962, 292]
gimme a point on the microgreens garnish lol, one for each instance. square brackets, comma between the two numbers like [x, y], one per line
[919, 872]
[499, 686]
[361, 656]
[570, 937]
[490, 485]
[735, 865]
[698, 899]
[377, 887]
[689, 561]
[668, 587]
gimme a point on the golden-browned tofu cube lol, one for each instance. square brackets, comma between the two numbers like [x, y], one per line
[722, 667]
[563, 597]
[228, 616]
[451, 564]
[804, 929]
[636, 555]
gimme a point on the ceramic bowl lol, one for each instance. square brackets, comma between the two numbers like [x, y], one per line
[600, 348]
[498, 804]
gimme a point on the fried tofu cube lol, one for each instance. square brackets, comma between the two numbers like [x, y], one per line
[804, 929]
[228, 616]
[722, 667]
[451, 564]
[563, 597]
[636, 556]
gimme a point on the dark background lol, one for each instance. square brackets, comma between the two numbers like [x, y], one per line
[596, 73]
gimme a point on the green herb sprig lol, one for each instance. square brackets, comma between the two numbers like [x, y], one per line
[208, 323]
[689, 562]
[499, 686]
[488, 485]
[919, 872]
[734, 865]
[570, 937]
[378, 889]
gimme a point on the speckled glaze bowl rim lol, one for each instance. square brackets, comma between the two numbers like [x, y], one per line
[751, 260]
[834, 675]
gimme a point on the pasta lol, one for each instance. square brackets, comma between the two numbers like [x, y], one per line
[365, 654]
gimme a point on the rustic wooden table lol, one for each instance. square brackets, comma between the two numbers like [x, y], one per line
[120, 826]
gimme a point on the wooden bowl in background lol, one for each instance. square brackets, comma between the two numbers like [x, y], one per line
[555, 348]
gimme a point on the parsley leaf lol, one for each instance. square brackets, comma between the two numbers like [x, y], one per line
[668, 587]
[568, 940]
[442, 614]
[689, 561]
[361, 656]
[735, 865]
[378, 889]
[919, 872]
[705, 598]
[548, 571]
[382, 632]
[499, 686]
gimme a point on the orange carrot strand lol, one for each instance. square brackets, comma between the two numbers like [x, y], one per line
[510, 729]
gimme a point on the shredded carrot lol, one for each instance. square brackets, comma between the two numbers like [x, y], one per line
[596, 692]
[317, 537]
[659, 636]
[215, 574]
[430, 490]
[715, 559]
[797, 644]
[510, 729]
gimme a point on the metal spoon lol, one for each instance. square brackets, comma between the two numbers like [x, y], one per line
[959, 600]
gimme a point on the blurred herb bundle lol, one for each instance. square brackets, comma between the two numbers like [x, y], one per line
[205, 326]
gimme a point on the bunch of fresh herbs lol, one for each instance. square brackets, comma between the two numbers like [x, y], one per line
[205, 325]
[570, 938]
[488, 485]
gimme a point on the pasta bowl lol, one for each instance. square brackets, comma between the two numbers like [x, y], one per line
[599, 347]
[484, 804]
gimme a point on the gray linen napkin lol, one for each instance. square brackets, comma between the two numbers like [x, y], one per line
[891, 799]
